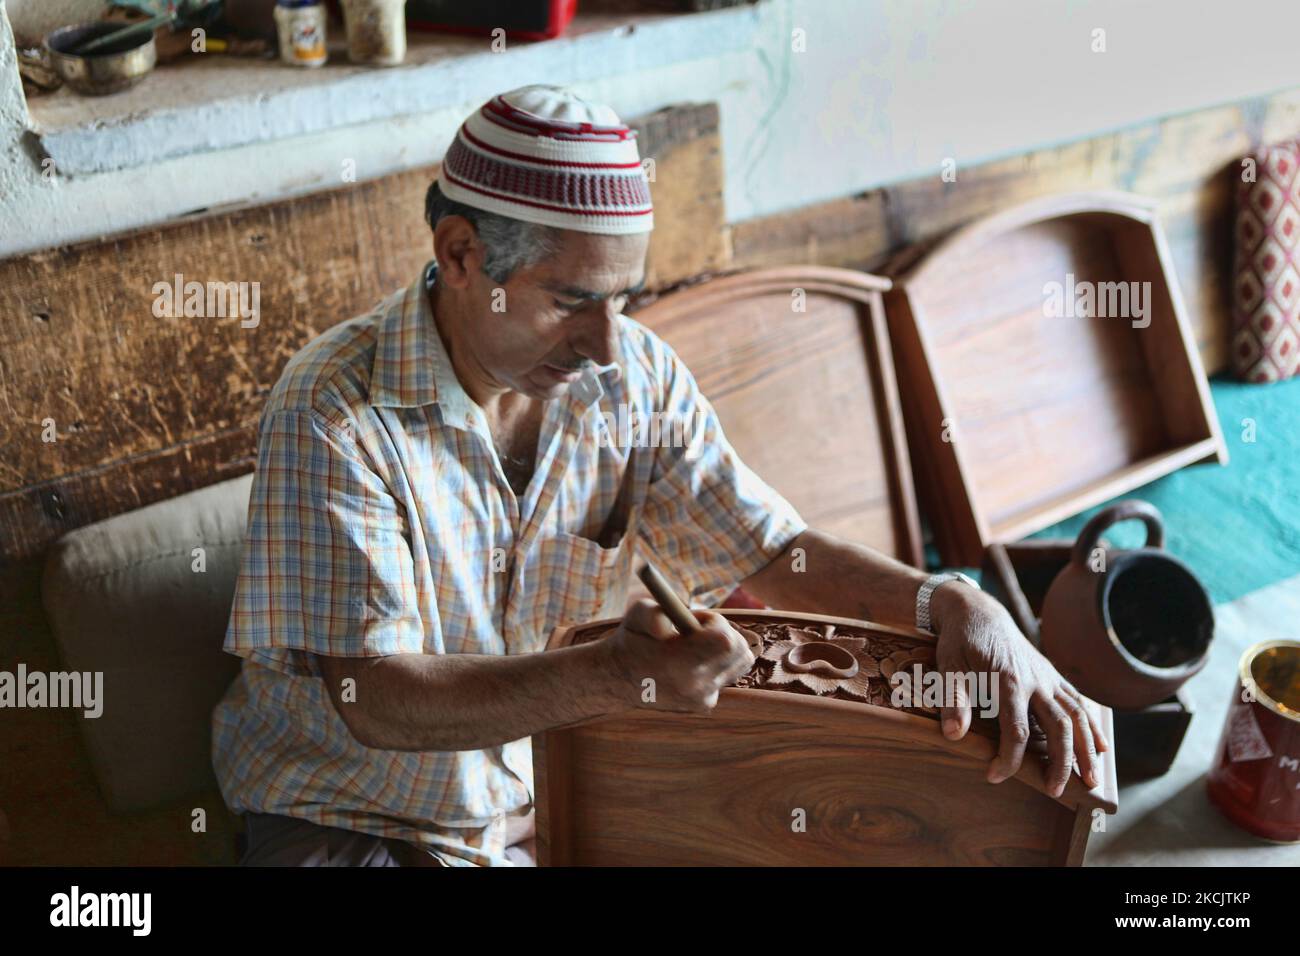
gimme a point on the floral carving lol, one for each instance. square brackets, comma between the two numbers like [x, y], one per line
[847, 662]
[822, 662]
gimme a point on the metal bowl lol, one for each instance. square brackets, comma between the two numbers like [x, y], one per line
[109, 70]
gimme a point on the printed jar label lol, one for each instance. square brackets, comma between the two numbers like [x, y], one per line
[308, 42]
[302, 35]
[1245, 740]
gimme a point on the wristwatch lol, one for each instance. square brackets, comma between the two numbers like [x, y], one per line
[927, 590]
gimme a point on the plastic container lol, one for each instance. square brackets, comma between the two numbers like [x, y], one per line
[300, 25]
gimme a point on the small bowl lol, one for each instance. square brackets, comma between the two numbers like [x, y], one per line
[111, 69]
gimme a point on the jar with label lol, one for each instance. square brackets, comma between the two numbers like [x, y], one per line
[300, 25]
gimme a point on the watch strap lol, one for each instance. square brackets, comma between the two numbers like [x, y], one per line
[926, 592]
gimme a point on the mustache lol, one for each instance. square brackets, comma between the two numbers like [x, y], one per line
[582, 366]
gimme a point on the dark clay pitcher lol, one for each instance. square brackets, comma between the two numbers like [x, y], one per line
[1127, 628]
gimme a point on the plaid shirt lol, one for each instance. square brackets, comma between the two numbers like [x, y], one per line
[381, 523]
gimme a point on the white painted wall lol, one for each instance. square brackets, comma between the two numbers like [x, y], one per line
[13, 120]
[32, 19]
[885, 90]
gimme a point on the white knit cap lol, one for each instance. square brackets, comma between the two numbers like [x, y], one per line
[542, 154]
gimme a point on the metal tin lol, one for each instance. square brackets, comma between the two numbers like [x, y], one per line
[117, 68]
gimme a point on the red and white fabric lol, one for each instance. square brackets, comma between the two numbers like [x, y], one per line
[1266, 273]
[544, 155]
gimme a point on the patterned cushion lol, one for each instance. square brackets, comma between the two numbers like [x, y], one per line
[1266, 286]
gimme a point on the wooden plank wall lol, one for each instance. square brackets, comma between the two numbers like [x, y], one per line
[145, 408]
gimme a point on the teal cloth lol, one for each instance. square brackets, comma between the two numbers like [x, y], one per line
[1237, 525]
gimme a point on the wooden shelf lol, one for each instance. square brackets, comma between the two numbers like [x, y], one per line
[205, 103]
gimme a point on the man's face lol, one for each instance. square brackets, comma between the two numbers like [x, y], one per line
[551, 320]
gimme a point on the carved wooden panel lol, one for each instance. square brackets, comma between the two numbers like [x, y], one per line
[877, 786]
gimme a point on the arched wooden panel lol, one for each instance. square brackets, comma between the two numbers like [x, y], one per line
[797, 363]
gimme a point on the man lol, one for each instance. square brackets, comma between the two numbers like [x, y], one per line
[437, 489]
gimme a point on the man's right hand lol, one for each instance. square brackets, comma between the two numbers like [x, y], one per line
[687, 671]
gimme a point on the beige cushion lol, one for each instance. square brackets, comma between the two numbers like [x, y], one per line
[122, 597]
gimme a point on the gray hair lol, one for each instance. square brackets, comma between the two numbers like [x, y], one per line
[509, 244]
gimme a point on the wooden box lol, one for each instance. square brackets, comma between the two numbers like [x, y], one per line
[1046, 365]
[783, 778]
[1018, 575]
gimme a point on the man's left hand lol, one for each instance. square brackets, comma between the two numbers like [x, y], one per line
[976, 634]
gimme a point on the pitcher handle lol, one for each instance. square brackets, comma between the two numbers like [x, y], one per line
[1146, 512]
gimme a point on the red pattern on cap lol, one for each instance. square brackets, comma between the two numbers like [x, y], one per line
[561, 190]
[498, 111]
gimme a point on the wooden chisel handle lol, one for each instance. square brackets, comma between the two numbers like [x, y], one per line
[668, 600]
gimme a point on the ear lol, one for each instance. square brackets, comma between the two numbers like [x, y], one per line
[458, 251]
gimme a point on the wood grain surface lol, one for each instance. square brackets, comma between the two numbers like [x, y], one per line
[1025, 417]
[731, 790]
[145, 408]
[871, 785]
[797, 363]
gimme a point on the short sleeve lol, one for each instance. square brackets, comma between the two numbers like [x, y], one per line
[327, 563]
[709, 521]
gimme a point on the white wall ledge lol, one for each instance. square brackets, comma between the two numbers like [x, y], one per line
[883, 90]
[208, 103]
